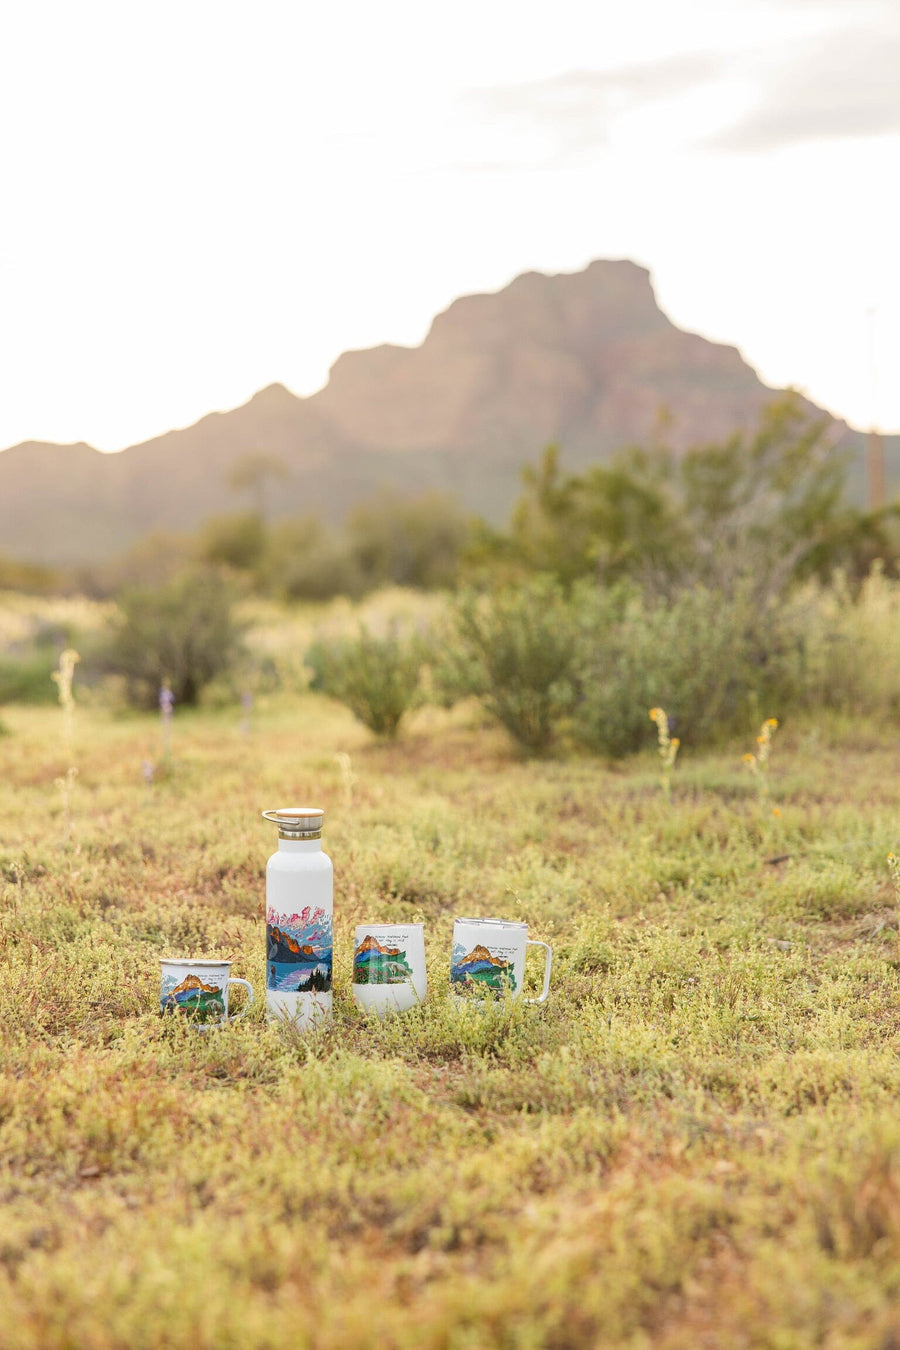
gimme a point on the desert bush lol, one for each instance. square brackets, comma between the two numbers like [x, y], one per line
[514, 650]
[852, 645]
[155, 560]
[31, 578]
[307, 560]
[764, 506]
[183, 633]
[598, 657]
[388, 541]
[33, 632]
[615, 521]
[377, 678]
[236, 541]
[25, 677]
[408, 541]
[28, 661]
[712, 661]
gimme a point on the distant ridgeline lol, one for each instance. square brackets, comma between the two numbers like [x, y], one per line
[585, 360]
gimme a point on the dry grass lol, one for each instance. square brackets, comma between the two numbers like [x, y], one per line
[694, 1143]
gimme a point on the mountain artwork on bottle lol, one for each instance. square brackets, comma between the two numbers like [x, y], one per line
[299, 951]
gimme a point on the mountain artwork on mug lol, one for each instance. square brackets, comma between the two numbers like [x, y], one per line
[377, 964]
[204, 1002]
[480, 967]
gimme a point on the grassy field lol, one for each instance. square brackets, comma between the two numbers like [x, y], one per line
[695, 1143]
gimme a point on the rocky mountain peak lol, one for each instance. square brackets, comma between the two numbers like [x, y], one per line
[585, 359]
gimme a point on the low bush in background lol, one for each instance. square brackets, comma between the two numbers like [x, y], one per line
[413, 541]
[377, 678]
[33, 632]
[515, 651]
[389, 541]
[237, 541]
[711, 660]
[25, 676]
[306, 560]
[183, 633]
[588, 664]
[553, 665]
[851, 645]
[31, 578]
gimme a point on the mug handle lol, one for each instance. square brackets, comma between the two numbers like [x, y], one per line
[249, 987]
[548, 962]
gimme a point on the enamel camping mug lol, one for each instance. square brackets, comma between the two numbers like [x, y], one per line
[200, 989]
[389, 966]
[489, 957]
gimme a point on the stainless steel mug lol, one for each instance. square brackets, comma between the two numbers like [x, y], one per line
[389, 966]
[488, 958]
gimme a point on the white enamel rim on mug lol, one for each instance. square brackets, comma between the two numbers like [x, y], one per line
[517, 926]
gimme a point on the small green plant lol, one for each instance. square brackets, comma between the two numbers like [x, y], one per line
[758, 762]
[668, 748]
[377, 678]
[514, 650]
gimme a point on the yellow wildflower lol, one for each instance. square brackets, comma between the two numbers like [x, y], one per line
[668, 745]
[894, 866]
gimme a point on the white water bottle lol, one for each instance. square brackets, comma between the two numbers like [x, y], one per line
[299, 920]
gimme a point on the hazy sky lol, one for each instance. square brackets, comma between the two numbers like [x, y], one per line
[202, 198]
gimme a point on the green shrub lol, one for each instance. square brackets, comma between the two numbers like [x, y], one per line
[852, 645]
[31, 578]
[377, 678]
[26, 677]
[712, 661]
[183, 633]
[153, 561]
[515, 650]
[307, 560]
[408, 541]
[764, 505]
[236, 541]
